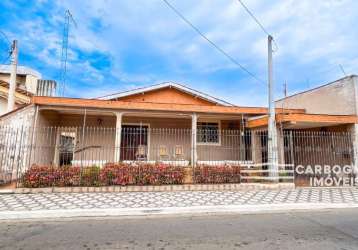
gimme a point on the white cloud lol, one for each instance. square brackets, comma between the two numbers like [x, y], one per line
[311, 36]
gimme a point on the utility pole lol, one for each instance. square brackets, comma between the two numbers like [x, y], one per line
[272, 151]
[13, 73]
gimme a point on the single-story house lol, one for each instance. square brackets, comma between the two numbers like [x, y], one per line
[173, 123]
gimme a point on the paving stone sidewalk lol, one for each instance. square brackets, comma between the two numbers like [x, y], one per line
[68, 201]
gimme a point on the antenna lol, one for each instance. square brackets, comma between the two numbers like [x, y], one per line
[285, 89]
[66, 28]
[342, 69]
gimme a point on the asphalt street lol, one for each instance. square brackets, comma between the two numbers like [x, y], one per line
[329, 229]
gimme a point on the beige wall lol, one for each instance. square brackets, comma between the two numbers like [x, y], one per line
[229, 147]
[45, 137]
[338, 98]
[162, 133]
[98, 142]
[100, 137]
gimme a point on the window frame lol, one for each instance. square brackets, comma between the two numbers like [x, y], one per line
[209, 143]
[58, 136]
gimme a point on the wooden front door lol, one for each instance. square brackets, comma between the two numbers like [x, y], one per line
[134, 142]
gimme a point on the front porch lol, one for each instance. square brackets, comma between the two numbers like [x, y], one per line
[204, 145]
[86, 137]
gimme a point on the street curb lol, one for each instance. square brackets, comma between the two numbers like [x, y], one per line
[159, 188]
[240, 209]
[7, 191]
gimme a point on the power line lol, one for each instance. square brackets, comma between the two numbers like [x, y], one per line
[6, 37]
[6, 59]
[257, 21]
[8, 45]
[233, 60]
[253, 17]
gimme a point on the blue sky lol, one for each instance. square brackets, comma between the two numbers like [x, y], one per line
[119, 45]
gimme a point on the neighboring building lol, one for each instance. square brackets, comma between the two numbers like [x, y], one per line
[339, 97]
[26, 78]
[29, 83]
[329, 109]
[26, 81]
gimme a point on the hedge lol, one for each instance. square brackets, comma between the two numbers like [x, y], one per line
[216, 174]
[111, 174]
[126, 174]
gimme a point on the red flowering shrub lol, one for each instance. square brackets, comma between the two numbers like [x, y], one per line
[159, 174]
[117, 174]
[141, 174]
[110, 174]
[217, 174]
[66, 176]
[39, 176]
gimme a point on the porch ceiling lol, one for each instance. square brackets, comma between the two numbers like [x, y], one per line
[146, 114]
[306, 125]
[305, 120]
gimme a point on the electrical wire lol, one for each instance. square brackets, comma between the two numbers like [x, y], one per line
[6, 59]
[257, 22]
[8, 44]
[233, 60]
[5, 36]
[253, 17]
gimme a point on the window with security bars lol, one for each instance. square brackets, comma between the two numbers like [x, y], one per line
[208, 132]
[66, 147]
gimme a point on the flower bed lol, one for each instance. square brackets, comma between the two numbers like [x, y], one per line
[217, 174]
[110, 174]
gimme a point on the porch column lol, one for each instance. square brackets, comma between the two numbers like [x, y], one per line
[117, 145]
[194, 156]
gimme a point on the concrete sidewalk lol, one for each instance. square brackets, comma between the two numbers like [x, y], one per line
[59, 205]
